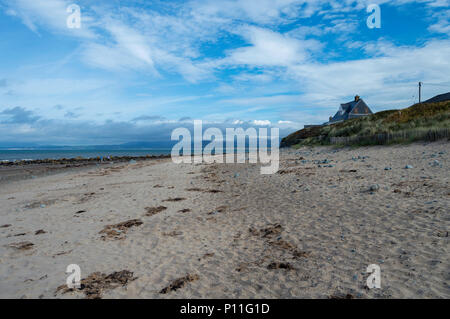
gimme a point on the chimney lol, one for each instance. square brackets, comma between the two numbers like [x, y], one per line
[357, 98]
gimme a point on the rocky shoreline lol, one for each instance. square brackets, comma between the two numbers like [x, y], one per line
[82, 160]
[30, 169]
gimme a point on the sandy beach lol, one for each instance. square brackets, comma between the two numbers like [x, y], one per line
[156, 229]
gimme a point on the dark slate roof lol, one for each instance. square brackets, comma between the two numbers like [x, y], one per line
[345, 111]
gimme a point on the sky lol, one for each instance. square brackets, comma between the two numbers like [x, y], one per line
[136, 70]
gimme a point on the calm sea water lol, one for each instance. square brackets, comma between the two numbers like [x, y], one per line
[17, 155]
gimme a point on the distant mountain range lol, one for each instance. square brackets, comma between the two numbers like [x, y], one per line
[125, 146]
[165, 145]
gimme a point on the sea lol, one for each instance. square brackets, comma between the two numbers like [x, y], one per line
[11, 155]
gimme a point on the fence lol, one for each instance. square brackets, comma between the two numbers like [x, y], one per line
[385, 138]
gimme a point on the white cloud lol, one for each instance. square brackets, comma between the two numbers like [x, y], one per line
[51, 14]
[136, 39]
[285, 122]
[270, 48]
[387, 77]
[262, 11]
[262, 122]
[46, 87]
[265, 77]
[277, 100]
[443, 21]
[131, 41]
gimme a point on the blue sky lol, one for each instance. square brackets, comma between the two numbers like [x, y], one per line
[136, 70]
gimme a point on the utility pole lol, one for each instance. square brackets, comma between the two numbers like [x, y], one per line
[420, 92]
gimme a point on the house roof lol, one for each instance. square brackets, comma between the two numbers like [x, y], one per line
[355, 108]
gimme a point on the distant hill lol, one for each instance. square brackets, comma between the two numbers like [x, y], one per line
[439, 98]
[425, 121]
[126, 146]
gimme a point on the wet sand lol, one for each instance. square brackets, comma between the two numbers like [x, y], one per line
[19, 170]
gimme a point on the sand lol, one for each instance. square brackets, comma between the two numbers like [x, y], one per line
[156, 229]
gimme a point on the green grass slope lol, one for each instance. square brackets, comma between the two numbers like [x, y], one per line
[426, 121]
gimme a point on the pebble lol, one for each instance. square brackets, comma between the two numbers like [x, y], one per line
[388, 168]
[375, 188]
[409, 167]
[435, 163]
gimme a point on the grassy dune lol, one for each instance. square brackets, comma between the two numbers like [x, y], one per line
[426, 121]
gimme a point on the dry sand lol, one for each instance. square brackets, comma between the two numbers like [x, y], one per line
[156, 229]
